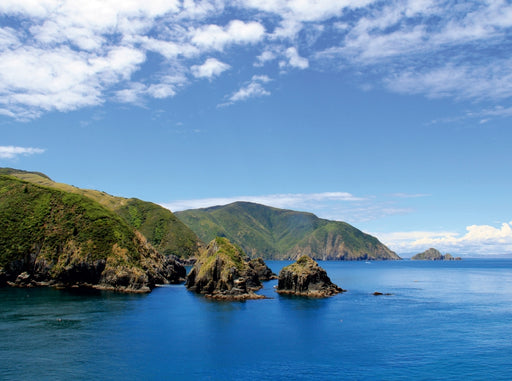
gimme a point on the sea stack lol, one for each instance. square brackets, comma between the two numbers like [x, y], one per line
[264, 272]
[223, 273]
[306, 278]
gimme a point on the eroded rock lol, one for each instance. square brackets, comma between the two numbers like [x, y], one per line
[306, 278]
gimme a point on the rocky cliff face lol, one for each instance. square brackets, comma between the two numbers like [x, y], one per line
[222, 272]
[50, 237]
[262, 270]
[306, 278]
[434, 255]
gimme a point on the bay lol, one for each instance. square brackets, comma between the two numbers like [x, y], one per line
[443, 320]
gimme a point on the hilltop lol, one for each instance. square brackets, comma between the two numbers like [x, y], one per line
[162, 229]
[273, 233]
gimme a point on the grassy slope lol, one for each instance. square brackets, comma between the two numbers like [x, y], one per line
[50, 222]
[160, 226]
[276, 233]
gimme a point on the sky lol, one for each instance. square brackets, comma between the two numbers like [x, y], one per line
[394, 116]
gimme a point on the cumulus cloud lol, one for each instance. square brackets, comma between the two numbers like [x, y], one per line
[12, 152]
[251, 90]
[478, 240]
[212, 67]
[236, 32]
[295, 60]
[83, 54]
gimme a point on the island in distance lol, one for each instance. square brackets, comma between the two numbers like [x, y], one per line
[434, 255]
[306, 278]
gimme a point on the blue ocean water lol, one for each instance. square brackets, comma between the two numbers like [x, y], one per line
[443, 321]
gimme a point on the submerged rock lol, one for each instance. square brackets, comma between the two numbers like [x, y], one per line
[306, 278]
[222, 272]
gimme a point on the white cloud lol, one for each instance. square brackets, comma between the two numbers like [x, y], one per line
[12, 152]
[81, 53]
[458, 80]
[289, 200]
[265, 57]
[295, 60]
[212, 67]
[478, 240]
[136, 92]
[236, 32]
[253, 89]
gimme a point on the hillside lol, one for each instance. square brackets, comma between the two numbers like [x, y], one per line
[272, 233]
[53, 237]
[159, 225]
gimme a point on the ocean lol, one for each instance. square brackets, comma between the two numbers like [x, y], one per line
[442, 321]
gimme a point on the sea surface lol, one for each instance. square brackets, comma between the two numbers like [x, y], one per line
[443, 321]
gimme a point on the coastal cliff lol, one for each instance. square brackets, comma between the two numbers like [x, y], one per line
[222, 272]
[50, 237]
[306, 278]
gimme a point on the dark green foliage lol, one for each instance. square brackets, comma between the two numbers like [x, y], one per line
[159, 225]
[44, 222]
[279, 234]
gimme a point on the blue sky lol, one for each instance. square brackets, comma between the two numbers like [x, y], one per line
[394, 116]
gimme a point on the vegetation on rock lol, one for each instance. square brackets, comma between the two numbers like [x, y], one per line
[164, 231]
[52, 237]
[223, 272]
[306, 278]
[274, 233]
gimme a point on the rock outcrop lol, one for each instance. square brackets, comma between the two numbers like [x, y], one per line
[434, 255]
[260, 267]
[50, 237]
[306, 278]
[222, 272]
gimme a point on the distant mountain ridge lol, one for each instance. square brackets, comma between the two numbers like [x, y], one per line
[164, 231]
[273, 233]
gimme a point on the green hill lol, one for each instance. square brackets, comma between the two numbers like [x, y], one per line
[272, 233]
[52, 237]
[159, 225]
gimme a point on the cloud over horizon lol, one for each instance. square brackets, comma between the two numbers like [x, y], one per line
[478, 240]
[84, 54]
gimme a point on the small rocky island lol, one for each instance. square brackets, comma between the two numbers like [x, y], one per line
[434, 255]
[223, 272]
[306, 278]
[264, 272]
